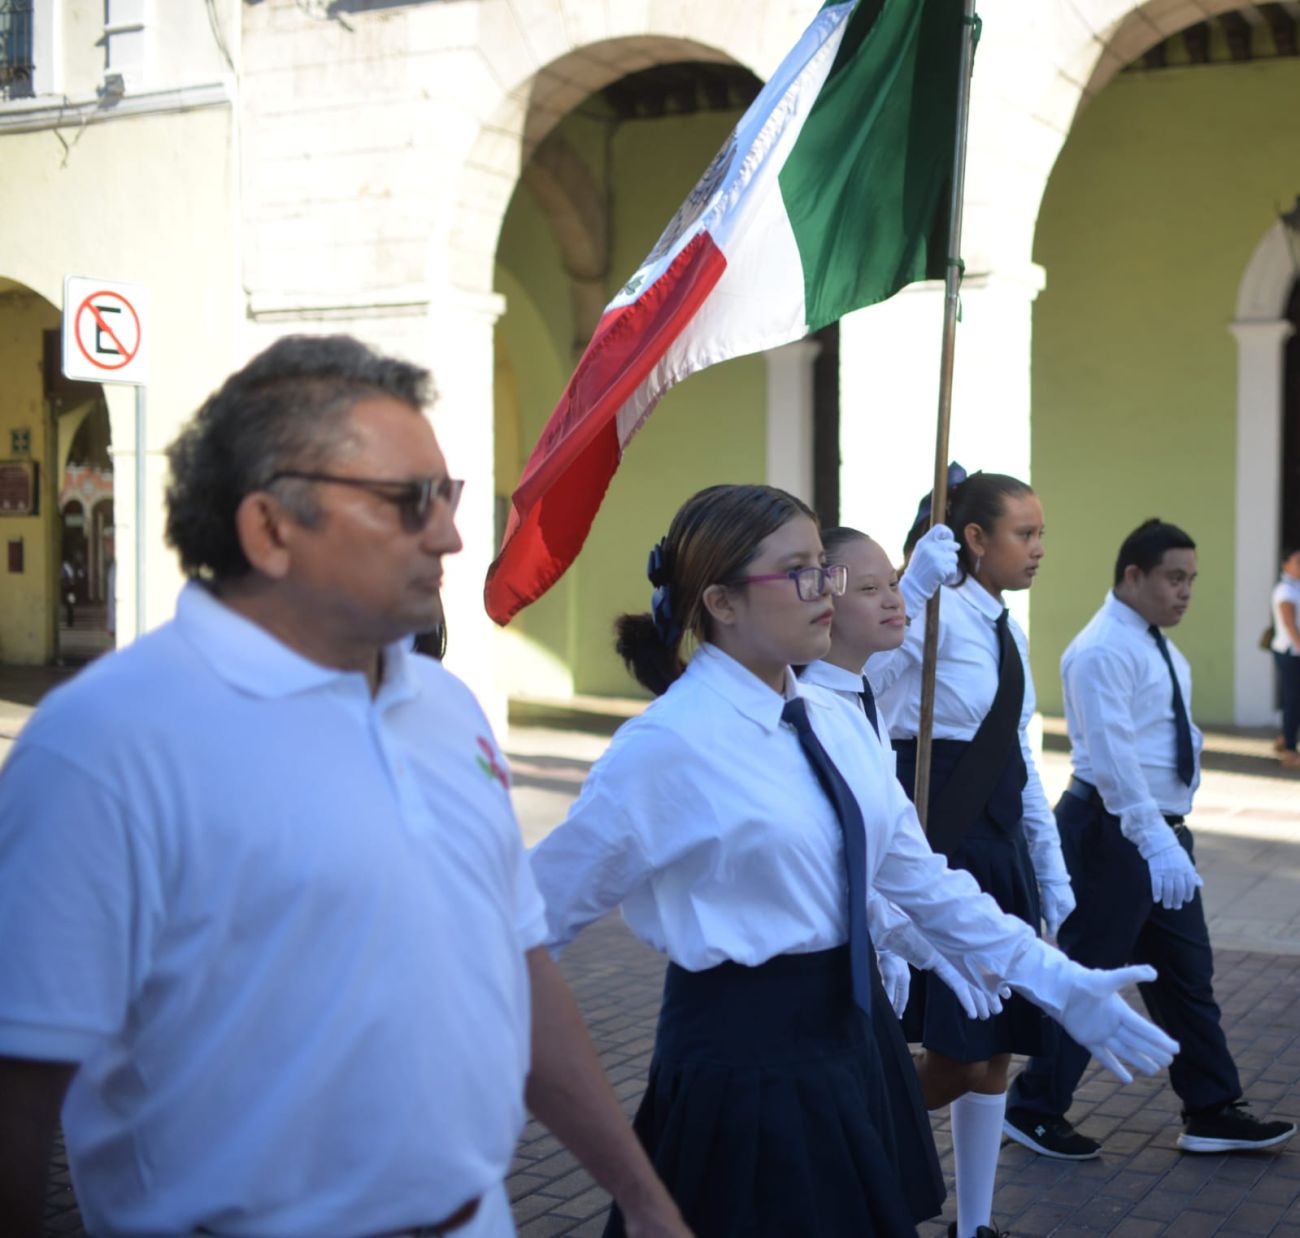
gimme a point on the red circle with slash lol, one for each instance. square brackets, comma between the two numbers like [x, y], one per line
[124, 355]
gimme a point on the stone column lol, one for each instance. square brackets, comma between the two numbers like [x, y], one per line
[790, 417]
[1260, 363]
[461, 357]
[889, 396]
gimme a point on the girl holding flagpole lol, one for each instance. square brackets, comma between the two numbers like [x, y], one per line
[988, 812]
[740, 821]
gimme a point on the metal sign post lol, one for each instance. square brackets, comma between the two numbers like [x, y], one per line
[105, 340]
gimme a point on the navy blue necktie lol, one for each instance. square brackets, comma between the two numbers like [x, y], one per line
[855, 845]
[869, 703]
[1185, 759]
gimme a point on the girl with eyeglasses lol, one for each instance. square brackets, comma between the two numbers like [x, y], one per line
[740, 821]
[987, 814]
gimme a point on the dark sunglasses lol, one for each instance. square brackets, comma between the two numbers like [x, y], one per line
[413, 499]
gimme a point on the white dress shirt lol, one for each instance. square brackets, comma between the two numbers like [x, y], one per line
[966, 681]
[706, 822]
[847, 685]
[1287, 589]
[281, 925]
[1120, 715]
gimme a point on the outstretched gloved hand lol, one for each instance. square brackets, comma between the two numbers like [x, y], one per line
[1174, 879]
[1104, 1024]
[933, 563]
[977, 1003]
[1087, 1004]
[897, 979]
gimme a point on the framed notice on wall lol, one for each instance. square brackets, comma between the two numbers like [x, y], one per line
[18, 489]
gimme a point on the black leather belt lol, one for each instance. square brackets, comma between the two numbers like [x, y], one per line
[462, 1216]
[1090, 795]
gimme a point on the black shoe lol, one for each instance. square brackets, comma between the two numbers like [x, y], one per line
[1231, 1129]
[1047, 1136]
[984, 1231]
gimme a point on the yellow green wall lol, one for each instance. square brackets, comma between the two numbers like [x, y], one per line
[27, 598]
[710, 429]
[1166, 185]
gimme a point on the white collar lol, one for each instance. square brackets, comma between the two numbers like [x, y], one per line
[1122, 612]
[828, 675]
[979, 599]
[741, 688]
[249, 658]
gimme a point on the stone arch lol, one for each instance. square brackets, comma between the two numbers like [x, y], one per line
[1031, 80]
[1261, 329]
[571, 50]
[508, 140]
[1137, 31]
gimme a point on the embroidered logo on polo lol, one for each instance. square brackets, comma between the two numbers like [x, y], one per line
[489, 764]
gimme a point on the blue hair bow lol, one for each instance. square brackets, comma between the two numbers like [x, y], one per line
[661, 600]
[956, 475]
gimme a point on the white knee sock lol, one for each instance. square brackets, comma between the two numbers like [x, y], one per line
[976, 1142]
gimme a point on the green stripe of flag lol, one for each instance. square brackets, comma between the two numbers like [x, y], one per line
[867, 185]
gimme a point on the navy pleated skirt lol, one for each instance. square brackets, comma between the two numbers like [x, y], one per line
[994, 851]
[771, 1111]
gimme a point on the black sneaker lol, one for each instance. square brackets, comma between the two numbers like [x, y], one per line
[984, 1231]
[1231, 1129]
[1053, 1137]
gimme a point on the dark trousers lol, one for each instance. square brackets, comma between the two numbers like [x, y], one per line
[1288, 674]
[1114, 924]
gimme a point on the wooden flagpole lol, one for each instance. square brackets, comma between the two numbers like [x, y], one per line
[951, 308]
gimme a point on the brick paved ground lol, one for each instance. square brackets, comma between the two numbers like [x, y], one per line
[1141, 1187]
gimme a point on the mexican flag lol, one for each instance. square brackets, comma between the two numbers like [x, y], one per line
[830, 194]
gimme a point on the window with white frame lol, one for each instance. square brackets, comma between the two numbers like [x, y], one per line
[17, 48]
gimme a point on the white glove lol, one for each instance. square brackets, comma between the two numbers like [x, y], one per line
[933, 563]
[1056, 897]
[1086, 1003]
[897, 979]
[1174, 879]
[977, 1003]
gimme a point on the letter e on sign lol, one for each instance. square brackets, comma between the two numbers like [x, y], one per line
[105, 331]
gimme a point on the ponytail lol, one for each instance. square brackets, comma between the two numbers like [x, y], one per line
[649, 660]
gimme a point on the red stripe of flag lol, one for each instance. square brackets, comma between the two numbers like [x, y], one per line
[573, 463]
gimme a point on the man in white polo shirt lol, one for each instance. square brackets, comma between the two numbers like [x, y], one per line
[1136, 756]
[266, 919]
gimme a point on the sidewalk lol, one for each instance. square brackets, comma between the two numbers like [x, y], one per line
[1247, 826]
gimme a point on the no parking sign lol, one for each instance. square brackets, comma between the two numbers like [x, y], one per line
[105, 331]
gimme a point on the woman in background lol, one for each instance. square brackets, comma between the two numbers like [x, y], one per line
[1286, 654]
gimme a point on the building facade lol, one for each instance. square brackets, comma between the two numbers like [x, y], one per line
[468, 181]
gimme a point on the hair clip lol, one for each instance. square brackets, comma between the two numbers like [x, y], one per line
[956, 475]
[654, 568]
[661, 600]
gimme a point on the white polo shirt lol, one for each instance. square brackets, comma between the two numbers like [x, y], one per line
[280, 924]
